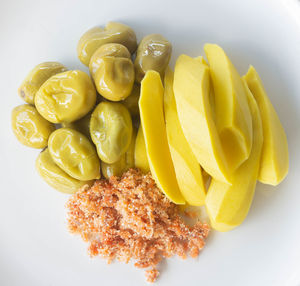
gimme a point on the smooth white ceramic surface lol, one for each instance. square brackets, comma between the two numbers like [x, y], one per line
[35, 247]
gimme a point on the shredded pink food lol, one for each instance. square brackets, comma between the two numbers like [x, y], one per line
[130, 218]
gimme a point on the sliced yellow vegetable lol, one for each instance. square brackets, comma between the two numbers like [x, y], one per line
[187, 169]
[227, 206]
[201, 60]
[155, 135]
[274, 163]
[140, 153]
[192, 91]
[233, 118]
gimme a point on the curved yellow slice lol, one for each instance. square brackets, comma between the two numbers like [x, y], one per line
[274, 163]
[192, 91]
[140, 153]
[227, 206]
[187, 169]
[233, 118]
[155, 135]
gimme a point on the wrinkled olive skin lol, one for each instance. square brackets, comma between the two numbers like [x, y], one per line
[153, 53]
[55, 176]
[30, 128]
[111, 130]
[113, 77]
[36, 77]
[74, 154]
[66, 97]
[94, 38]
[108, 50]
[132, 101]
[82, 125]
[123, 164]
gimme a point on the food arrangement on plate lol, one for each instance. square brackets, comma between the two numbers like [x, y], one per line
[163, 140]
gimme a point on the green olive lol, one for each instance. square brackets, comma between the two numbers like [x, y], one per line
[108, 50]
[55, 176]
[153, 53]
[82, 125]
[114, 169]
[111, 130]
[96, 37]
[74, 153]
[123, 164]
[66, 97]
[30, 128]
[36, 77]
[132, 101]
[113, 77]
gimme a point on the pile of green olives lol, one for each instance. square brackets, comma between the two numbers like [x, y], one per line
[86, 125]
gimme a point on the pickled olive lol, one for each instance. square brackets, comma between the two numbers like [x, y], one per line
[36, 77]
[132, 101]
[107, 50]
[96, 37]
[114, 169]
[74, 154]
[111, 130]
[114, 77]
[30, 128]
[123, 164]
[82, 125]
[153, 53]
[66, 97]
[55, 176]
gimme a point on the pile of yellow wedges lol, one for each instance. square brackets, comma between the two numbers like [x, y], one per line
[207, 135]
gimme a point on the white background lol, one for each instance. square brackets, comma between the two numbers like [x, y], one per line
[35, 247]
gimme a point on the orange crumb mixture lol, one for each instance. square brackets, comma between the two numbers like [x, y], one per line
[130, 218]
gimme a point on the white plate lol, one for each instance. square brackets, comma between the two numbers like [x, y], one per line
[36, 248]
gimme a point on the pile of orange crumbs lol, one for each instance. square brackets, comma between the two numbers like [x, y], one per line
[129, 218]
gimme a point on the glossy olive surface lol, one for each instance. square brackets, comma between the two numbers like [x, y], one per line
[123, 164]
[94, 38]
[75, 154]
[111, 130]
[30, 128]
[153, 53]
[114, 77]
[66, 97]
[55, 176]
[36, 77]
[114, 169]
[108, 50]
[132, 101]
